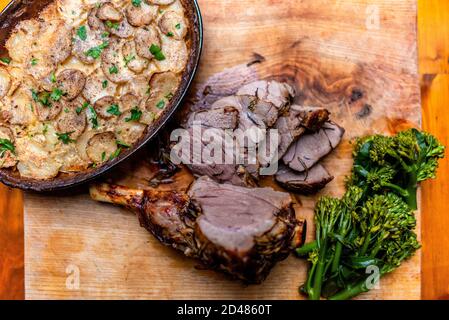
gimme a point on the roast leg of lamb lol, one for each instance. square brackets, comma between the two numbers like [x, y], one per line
[241, 231]
[307, 182]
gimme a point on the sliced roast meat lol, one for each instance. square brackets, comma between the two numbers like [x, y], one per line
[307, 182]
[311, 148]
[242, 232]
[220, 118]
[278, 93]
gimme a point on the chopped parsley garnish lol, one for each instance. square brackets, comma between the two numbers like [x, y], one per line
[170, 34]
[56, 94]
[5, 60]
[95, 52]
[82, 108]
[6, 145]
[93, 117]
[66, 110]
[65, 137]
[112, 25]
[156, 51]
[115, 154]
[53, 77]
[128, 59]
[43, 98]
[103, 156]
[160, 104]
[104, 84]
[122, 144]
[136, 114]
[136, 3]
[82, 33]
[148, 90]
[178, 26]
[169, 96]
[105, 34]
[113, 69]
[34, 94]
[34, 61]
[114, 110]
[45, 130]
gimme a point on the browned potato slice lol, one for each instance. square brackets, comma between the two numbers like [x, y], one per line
[71, 10]
[81, 47]
[176, 55]
[106, 107]
[98, 86]
[7, 158]
[18, 108]
[140, 86]
[121, 29]
[71, 82]
[61, 44]
[5, 82]
[46, 113]
[129, 101]
[94, 22]
[161, 2]
[134, 62]
[146, 37]
[101, 146]
[72, 121]
[162, 88]
[173, 24]
[142, 15]
[129, 132]
[20, 43]
[113, 63]
[39, 66]
[108, 12]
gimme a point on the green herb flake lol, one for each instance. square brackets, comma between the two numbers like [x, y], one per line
[112, 25]
[115, 154]
[136, 3]
[128, 59]
[53, 77]
[5, 60]
[105, 34]
[170, 34]
[34, 61]
[65, 137]
[156, 51]
[169, 96]
[123, 144]
[93, 117]
[104, 84]
[82, 33]
[103, 156]
[178, 26]
[82, 108]
[136, 114]
[114, 110]
[113, 69]
[95, 52]
[160, 104]
[56, 94]
[5, 146]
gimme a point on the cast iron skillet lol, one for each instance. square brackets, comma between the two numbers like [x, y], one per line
[19, 10]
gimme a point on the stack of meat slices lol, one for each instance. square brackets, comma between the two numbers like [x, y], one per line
[221, 217]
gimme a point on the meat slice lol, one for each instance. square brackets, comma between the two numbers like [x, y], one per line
[220, 118]
[311, 148]
[242, 232]
[307, 182]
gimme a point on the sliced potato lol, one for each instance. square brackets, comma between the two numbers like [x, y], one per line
[39, 66]
[161, 2]
[104, 107]
[7, 158]
[57, 35]
[20, 43]
[121, 29]
[173, 24]
[71, 120]
[46, 113]
[144, 39]
[101, 147]
[84, 49]
[108, 12]
[94, 22]
[129, 101]
[19, 107]
[67, 155]
[162, 88]
[81, 144]
[129, 132]
[34, 161]
[72, 11]
[141, 15]
[71, 82]
[98, 86]
[176, 55]
[5, 82]
[113, 63]
[140, 86]
[134, 62]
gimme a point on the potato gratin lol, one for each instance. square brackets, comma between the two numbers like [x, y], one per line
[85, 79]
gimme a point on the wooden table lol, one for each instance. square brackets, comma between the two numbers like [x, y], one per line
[434, 61]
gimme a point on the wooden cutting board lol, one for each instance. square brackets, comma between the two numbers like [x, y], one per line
[358, 58]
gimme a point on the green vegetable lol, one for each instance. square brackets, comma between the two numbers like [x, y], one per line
[5, 60]
[6, 145]
[123, 144]
[95, 52]
[93, 116]
[396, 163]
[53, 77]
[82, 33]
[65, 137]
[136, 114]
[170, 34]
[104, 84]
[115, 154]
[156, 51]
[178, 26]
[160, 104]
[113, 69]
[112, 25]
[128, 59]
[114, 110]
[136, 3]
[56, 94]
[82, 108]
[34, 61]
[373, 224]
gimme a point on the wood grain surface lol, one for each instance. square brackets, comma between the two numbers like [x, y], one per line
[332, 52]
[434, 53]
